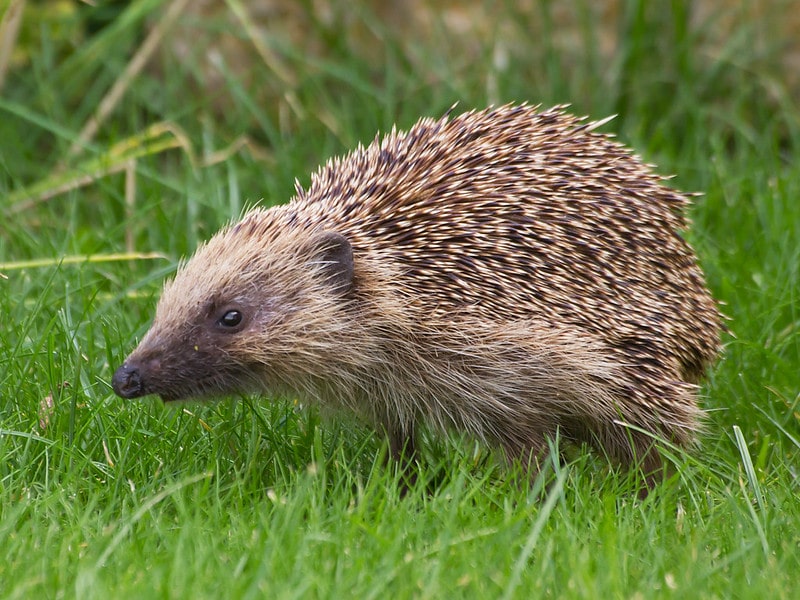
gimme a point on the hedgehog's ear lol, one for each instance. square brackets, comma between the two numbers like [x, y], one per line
[334, 254]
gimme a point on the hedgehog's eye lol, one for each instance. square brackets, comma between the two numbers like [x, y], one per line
[230, 319]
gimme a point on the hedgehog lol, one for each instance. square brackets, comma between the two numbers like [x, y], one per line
[511, 273]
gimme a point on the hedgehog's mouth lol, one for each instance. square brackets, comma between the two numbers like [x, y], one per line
[169, 398]
[200, 390]
[173, 396]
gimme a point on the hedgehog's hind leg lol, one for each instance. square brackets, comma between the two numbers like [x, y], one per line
[667, 417]
[630, 449]
[634, 448]
[530, 451]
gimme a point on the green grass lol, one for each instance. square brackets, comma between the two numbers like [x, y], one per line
[251, 498]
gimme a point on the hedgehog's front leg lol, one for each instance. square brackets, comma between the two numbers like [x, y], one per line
[402, 443]
[402, 451]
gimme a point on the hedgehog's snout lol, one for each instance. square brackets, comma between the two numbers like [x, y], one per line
[127, 381]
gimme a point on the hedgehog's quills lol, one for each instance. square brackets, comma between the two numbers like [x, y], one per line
[509, 273]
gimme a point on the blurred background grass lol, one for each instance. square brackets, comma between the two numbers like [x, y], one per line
[131, 131]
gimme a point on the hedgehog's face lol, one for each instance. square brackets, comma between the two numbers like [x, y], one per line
[190, 357]
[241, 316]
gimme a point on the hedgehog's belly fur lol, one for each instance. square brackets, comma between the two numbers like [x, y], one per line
[512, 385]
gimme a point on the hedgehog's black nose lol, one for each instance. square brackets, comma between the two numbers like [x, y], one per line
[127, 382]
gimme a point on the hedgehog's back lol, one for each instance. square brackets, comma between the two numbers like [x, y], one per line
[510, 213]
